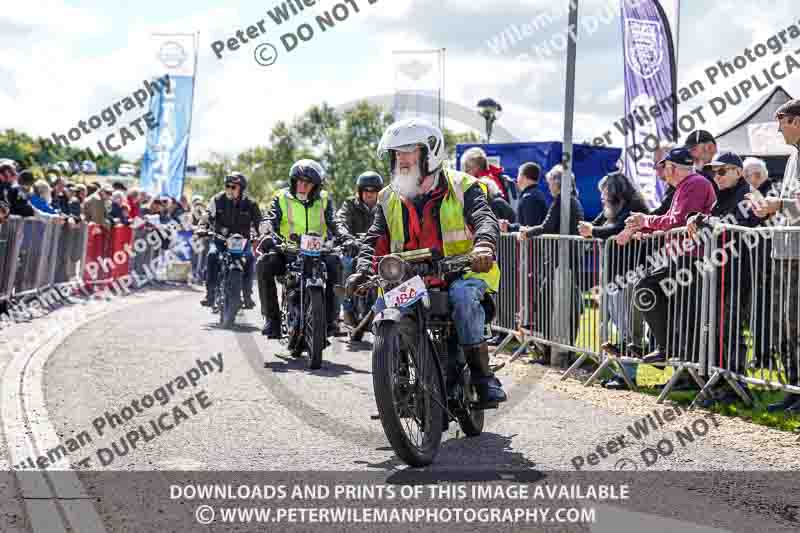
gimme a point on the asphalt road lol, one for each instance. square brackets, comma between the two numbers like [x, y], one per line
[265, 416]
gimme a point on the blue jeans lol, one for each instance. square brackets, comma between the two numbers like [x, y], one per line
[465, 297]
[619, 312]
[347, 269]
[216, 247]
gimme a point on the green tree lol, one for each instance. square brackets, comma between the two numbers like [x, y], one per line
[451, 139]
[217, 168]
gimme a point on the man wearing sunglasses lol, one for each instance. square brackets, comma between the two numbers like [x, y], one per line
[230, 212]
[731, 208]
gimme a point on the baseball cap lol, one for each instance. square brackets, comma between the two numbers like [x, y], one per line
[791, 108]
[107, 188]
[726, 158]
[678, 156]
[699, 137]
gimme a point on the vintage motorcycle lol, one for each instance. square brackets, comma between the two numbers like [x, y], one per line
[420, 375]
[233, 261]
[362, 303]
[303, 294]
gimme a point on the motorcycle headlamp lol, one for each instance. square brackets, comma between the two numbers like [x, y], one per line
[235, 243]
[392, 269]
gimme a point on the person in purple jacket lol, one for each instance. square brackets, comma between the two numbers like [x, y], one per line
[693, 194]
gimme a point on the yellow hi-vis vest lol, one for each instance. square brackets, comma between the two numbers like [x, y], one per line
[300, 219]
[456, 237]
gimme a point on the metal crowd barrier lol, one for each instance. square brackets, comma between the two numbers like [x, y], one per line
[755, 312]
[532, 303]
[656, 281]
[727, 303]
[11, 233]
[71, 256]
[48, 259]
[31, 257]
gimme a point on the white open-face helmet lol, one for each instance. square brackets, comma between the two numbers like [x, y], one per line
[405, 135]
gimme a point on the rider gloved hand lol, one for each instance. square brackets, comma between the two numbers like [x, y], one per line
[482, 258]
[352, 247]
[354, 281]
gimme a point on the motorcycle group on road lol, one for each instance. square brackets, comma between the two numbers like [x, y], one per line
[419, 260]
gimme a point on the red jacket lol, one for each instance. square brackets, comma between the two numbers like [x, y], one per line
[494, 173]
[134, 209]
[695, 194]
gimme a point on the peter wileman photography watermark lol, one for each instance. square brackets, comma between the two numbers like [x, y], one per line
[640, 430]
[145, 432]
[515, 34]
[266, 53]
[670, 247]
[779, 43]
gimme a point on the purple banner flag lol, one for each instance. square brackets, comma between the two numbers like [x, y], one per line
[650, 87]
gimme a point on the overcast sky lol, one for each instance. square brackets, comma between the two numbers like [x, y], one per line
[62, 61]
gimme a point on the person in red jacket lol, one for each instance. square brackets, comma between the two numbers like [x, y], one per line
[693, 194]
[475, 162]
[133, 203]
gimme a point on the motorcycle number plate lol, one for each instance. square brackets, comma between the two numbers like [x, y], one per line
[310, 244]
[406, 294]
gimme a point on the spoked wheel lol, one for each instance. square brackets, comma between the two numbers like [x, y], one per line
[220, 298]
[314, 326]
[233, 295]
[470, 419]
[408, 396]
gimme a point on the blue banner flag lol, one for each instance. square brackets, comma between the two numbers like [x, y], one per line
[651, 105]
[165, 157]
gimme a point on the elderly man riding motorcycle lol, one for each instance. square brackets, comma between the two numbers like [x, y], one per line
[430, 206]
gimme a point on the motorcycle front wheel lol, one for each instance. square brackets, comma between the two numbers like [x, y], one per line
[407, 394]
[315, 326]
[233, 297]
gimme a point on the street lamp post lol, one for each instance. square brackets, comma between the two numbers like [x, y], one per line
[490, 110]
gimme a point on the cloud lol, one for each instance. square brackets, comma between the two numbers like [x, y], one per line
[60, 64]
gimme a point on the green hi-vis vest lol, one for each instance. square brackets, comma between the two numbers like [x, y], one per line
[456, 238]
[300, 219]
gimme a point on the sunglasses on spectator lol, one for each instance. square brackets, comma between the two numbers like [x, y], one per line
[231, 186]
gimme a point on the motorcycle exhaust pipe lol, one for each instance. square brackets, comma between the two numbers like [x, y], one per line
[366, 321]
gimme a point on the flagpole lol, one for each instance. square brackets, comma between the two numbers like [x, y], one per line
[191, 114]
[566, 179]
[677, 34]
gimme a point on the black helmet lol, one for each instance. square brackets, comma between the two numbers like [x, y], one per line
[307, 169]
[369, 180]
[237, 178]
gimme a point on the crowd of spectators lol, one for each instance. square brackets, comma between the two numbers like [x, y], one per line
[104, 204]
[701, 187]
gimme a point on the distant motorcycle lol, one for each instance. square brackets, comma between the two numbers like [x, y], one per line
[233, 261]
[362, 303]
[303, 295]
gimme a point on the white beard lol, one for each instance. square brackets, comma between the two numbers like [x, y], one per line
[406, 183]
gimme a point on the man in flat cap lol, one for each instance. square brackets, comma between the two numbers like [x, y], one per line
[785, 211]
